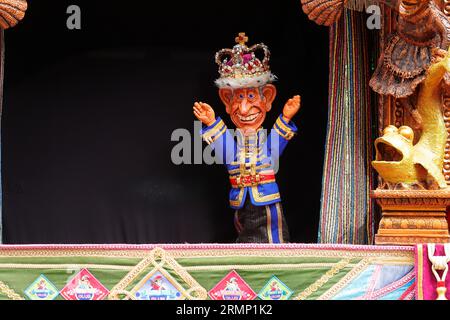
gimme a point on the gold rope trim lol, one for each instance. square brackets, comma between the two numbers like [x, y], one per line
[208, 253]
[356, 271]
[195, 291]
[10, 293]
[293, 253]
[63, 266]
[323, 280]
[392, 261]
[264, 267]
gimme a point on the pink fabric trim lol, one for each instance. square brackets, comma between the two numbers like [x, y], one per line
[410, 296]
[409, 293]
[207, 247]
[373, 282]
[393, 286]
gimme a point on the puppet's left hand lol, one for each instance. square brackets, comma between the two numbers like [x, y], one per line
[291, 108]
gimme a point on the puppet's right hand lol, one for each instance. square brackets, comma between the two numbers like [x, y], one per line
[204, 113]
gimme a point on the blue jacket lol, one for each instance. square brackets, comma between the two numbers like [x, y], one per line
[250, 157]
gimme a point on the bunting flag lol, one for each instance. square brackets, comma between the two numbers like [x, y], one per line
[346, 211]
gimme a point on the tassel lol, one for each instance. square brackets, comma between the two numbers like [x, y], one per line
[360, 5]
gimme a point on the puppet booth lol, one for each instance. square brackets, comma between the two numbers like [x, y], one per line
[381, 231]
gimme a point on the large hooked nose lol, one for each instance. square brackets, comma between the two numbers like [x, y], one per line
[244, 107]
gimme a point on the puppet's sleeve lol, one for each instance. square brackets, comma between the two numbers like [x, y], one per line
[221, 140]
[280, 135]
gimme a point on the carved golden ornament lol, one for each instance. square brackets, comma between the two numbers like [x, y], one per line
[399, 114]
[407, 240]
[447, 145]
[11, 12]
[412, 216]
[412, 223]
[398, 160]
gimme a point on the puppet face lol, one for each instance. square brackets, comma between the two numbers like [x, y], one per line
[410, 7]
[247, 107]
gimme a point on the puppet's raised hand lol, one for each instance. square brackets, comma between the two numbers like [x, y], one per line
[291, 108]
[204, 113]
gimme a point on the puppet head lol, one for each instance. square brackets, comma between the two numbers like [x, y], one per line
[244, 83]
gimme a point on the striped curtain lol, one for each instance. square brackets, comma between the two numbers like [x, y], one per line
[346, 212]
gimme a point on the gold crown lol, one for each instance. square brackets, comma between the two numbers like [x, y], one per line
[240, 68]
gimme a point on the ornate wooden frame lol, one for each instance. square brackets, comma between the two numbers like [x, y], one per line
[392, 112]
[410, 217]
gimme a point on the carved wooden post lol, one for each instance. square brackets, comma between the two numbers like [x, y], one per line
[11, 12]
[412, 216]
[445, 5]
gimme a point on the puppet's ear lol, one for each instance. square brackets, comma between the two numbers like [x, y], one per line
[226, 95]
[269, 92]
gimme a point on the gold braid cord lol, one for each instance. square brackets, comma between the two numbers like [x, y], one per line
[10, 293]
[349, 277]
[160, 261]
[323, 280]
[204, 252]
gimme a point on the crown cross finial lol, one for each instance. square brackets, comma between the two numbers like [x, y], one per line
[242, 39]
[240, 67]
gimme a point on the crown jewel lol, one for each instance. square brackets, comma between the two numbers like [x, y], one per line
[240, 67]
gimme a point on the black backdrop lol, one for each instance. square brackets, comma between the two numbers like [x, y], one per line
[88, 116]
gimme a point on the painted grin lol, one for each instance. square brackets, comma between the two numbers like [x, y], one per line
[250, 118]
[410, 3]
[411, 6]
